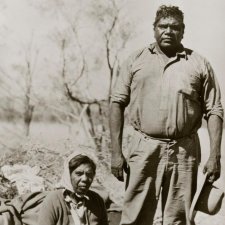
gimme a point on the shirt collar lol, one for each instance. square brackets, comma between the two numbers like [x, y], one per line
[154, 49]
[69, 196]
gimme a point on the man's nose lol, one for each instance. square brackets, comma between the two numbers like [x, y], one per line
[168, 30]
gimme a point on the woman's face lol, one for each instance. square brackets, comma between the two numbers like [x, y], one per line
[81, 178]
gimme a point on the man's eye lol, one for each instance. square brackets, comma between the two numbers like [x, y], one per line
[162, 26]
[177, 28]
[172, 27]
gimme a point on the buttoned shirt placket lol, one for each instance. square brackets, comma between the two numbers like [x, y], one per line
[165, 81]
[163, 101]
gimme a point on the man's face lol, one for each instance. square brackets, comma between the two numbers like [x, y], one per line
[168, 33]
[81, 178]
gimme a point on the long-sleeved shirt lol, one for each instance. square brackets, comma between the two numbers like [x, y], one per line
[167, 98]
[55, 211]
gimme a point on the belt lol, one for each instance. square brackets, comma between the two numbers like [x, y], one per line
[166, 140]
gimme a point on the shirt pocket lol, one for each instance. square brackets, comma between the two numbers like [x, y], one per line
[190, 94]
[189, 111]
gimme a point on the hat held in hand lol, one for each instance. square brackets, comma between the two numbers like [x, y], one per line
[207, 199]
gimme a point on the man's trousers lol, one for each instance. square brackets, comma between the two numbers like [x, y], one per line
[163, 167]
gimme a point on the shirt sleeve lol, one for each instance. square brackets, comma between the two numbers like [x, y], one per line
[211, 95]
[96, 209]
[104, 219]
[47, 214]
[121, 89]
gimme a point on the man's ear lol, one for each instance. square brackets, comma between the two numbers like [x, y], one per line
[183, 28]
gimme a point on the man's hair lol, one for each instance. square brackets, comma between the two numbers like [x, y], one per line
[81, 159]
[169, 11]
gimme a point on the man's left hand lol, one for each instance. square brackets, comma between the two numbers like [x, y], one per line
[213, 169]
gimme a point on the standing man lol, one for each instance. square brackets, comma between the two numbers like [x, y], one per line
[169, 89]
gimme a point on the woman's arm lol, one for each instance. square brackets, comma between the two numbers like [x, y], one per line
[47, 213]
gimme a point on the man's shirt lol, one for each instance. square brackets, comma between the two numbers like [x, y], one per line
[167, 99]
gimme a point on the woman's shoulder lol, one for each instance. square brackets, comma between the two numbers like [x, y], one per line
[96, 205]
[55, 195]
[95, 197]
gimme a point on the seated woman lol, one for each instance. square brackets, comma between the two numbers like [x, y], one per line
[75, 204]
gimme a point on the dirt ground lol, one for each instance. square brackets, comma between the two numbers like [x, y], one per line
[48, 146]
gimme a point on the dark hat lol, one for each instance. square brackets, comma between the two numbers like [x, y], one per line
[208, 199]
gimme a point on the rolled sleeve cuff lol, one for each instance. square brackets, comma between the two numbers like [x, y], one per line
[120, 98]
[215, 111]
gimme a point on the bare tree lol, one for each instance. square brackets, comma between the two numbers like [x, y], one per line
[82, 103]
[82, 55]
[26, 70]
[116, 31]
[114, 34]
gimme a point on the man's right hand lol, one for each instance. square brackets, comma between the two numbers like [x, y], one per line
[118, 164]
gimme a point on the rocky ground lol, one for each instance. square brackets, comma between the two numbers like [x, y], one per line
[49, 158]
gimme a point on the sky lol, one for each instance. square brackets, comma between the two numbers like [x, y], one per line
[204, 32]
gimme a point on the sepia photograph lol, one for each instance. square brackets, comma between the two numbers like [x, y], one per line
[111, 112]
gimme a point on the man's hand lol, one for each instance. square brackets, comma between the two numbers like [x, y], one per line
[213, 169]
[212, 166]
[118, 164]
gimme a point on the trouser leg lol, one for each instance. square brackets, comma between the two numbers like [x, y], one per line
[179, 184]
[140, 200]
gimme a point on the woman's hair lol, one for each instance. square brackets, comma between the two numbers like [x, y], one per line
[81, 159]
[167, 11]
